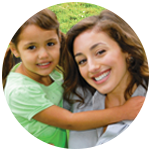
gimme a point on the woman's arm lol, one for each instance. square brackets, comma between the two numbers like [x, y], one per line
[59, 117]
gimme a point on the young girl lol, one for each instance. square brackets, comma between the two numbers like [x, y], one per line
[113, 61]
[33, 87]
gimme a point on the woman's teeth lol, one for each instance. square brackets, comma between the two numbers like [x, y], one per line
[102, 76]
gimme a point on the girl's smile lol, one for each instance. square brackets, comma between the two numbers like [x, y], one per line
[44, 64]
[39, 50]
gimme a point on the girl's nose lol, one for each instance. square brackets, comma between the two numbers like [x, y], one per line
[43, 53]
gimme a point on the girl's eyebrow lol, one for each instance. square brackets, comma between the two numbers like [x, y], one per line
[51, 39]
[91, 48]
[32, 43]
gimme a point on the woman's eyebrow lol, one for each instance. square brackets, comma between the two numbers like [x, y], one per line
[95, 45]
[78, 54]
[91, 48]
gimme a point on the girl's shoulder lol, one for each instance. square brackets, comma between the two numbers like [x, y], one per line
[17, 82]
[56, 75]
[18, 79]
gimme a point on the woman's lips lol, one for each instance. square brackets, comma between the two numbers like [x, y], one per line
[102, 77]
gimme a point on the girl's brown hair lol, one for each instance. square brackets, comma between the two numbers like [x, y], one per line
[120, 32]
[45, 19]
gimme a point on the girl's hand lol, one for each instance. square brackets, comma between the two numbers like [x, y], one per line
[132, 107]
[144, 112]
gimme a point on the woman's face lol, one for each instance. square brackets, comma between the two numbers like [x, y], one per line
[101, 62]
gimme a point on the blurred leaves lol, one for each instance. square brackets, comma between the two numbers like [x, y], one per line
[69, 14]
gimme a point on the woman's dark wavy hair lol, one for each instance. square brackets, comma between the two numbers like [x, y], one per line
[120, 32]
[45, 19]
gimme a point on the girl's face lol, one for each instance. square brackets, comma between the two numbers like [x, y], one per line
[39, 50]
[101, 62]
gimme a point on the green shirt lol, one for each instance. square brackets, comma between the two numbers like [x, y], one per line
[27, 97]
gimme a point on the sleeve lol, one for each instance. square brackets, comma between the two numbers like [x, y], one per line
[28, 101]
[69, 106]
[66, 105]
[77, 106]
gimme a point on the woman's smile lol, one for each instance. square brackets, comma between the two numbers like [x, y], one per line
[101, 61]
[102, 77]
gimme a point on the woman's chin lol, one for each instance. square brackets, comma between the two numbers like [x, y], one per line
[104, 91]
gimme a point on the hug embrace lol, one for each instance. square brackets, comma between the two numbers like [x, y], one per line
[91, 81]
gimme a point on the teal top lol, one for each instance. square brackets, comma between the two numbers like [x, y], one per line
[26, 98]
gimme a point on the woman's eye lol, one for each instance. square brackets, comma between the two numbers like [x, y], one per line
[50, 44]
[31, 47]
[82, 62]
[101, 52]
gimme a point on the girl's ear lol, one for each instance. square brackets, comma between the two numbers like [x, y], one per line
[14, 49]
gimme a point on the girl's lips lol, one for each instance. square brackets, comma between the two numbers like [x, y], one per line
[44, 64]
[104, 79]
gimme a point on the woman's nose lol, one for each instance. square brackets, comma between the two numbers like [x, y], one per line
[93, 66]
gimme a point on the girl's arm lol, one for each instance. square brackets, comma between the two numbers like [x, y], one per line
[59, 117]
[145, 112]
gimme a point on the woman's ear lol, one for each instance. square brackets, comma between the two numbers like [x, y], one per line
[127, 56]
[14, 49]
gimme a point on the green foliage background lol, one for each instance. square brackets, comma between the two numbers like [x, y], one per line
[69, 14]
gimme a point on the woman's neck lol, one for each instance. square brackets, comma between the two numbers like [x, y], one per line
[117, 98]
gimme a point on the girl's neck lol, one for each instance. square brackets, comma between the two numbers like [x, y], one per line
[45, 80]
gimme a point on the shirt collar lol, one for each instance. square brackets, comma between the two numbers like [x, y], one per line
[98, 100]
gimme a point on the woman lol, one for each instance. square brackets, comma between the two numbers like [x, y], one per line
[105, 53]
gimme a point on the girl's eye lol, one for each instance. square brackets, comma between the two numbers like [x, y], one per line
[82, 62]
[101, 52]
[31, 47]
[50, 44]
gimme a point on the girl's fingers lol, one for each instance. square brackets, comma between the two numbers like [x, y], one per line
[144, 112]
[148, 103]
